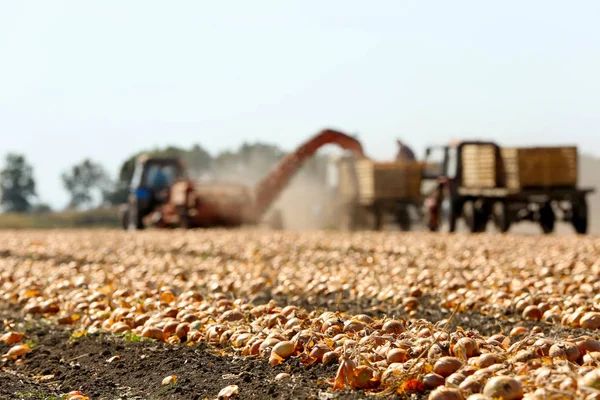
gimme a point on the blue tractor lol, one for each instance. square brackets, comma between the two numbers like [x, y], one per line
[149, 188]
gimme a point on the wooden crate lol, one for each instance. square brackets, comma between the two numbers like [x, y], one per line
[479, 166]
[388, 180]
[540, 167]
[347, 179]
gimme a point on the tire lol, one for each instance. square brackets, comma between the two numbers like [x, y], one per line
[378, 214]
[453, 213]
[547, 218]
[469, 215]
[500, 216]
[135, 220]
[579, 218]
[403, 218]
[123, 216]
[475, 217]
[482, 216]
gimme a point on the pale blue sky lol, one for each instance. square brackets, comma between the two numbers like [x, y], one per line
[103, 79]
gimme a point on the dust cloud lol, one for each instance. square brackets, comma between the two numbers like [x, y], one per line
[308, 202]
[303, 203]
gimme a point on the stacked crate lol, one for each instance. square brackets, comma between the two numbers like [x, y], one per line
[388, 180]
[479, 166]
[540, 167]
[347, 182]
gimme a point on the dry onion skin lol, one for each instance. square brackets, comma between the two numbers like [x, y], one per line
[185, 287]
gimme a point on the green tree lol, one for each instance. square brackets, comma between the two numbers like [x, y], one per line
[82, 180]
[197, 160]
[41, 208]
[17, 184]
[116, 194]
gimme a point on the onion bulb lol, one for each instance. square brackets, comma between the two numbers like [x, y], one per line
[503, 387]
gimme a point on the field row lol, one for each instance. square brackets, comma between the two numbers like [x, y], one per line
[556, 280]
[188, 288]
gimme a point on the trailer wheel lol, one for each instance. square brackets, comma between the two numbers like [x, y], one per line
[500, 216]
[475, 217]
[580, 216]
[468, 214]
[454, 210]
[547, 218]
[403, 218]
[378, 214]
[482, 216]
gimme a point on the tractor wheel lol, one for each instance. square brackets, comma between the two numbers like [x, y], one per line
[135, 221]
[475, 217]
[379, 215]
[124, 216]
[500, 216]
[470, 215]
[547, 218]
[454, 210]
[580, 216]
[403, 218]
[482, 216]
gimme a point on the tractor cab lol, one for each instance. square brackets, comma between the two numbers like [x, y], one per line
[444, 173]
[150, 187]
[444, 164]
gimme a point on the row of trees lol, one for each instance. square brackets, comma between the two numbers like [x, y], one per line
[18, 188]
[88, 183]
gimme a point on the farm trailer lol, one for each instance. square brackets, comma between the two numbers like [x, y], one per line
[367, 191]
[479, 182]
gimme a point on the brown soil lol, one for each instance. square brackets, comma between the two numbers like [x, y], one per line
[60, 363]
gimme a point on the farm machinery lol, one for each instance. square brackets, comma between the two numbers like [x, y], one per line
[475, 182]
[480, 182]
[162, 194]
[367, 192]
